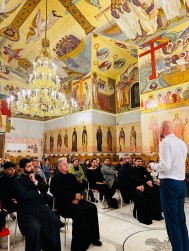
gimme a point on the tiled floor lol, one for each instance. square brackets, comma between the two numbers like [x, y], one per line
[115, 226]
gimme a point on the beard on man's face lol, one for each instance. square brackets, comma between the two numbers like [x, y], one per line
[162, 135]
[26, 172]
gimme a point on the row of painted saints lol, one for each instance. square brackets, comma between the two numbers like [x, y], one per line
[133, 143]
[99, 139]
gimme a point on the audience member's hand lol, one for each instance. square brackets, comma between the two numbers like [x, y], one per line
[14, 201]
[149, 183]
[78, 196]
[75, 201]
[158, 181]
[140, 188]
[32, 177]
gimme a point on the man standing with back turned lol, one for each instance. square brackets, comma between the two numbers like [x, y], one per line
[171, 169]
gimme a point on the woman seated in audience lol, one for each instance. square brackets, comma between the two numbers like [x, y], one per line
[86, 165]
[97, 182]
[77, 170]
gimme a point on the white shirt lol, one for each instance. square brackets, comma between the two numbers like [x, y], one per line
[172, 153]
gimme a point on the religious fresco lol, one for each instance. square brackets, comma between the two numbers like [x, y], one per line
[23, 146]
[2, 123]
[127, 89]
[80, 139]
[103, 93]
[151, 123]
[97, 36]
[111, 58]
[165, 99]
[164, 61]
[81, 92]
[75, 140]
[103, 139]
[129, 138]
[5, 112]
[138, 19]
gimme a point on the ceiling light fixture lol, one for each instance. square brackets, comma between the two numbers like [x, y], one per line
[43, 96]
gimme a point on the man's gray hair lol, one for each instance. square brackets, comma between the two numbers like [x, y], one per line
[60, 160]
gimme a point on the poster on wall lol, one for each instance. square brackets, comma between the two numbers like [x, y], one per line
[24, 146]
[151, 124]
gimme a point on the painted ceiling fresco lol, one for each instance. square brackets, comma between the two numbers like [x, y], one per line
[87, 35]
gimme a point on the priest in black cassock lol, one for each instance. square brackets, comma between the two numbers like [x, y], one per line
[67, 190]
[37, 222]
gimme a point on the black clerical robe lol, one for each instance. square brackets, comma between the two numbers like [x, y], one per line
[145, 202]
[84, 214]
[7, 192]
[37, 222]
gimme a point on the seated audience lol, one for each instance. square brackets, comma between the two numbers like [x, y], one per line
[37, 222]
[86, 165]
[150, 188]
[109, 173]
[46, 167]
[97, 182]
[98, 164]
[77, 170]
[132, 187]
[7, 191]
[67, 191]
[37, 168]
[120, 163]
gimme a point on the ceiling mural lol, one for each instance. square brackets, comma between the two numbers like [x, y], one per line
[93, 36]
[110, 57]
[165, 61]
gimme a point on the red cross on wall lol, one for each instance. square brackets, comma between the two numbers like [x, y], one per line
[152, 52]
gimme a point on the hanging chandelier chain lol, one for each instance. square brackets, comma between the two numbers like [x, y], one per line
[44, 96]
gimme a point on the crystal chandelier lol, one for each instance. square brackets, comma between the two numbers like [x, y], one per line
[43, 96]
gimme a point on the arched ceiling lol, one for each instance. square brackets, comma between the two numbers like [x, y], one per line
[84, 34]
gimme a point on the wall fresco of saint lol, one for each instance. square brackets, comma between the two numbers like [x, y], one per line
[167, 98]
[103, 93]
[129, 138]
[151, 123]
[80, 139]
[128, 84]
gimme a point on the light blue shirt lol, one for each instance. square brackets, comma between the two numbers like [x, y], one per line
[172, 154]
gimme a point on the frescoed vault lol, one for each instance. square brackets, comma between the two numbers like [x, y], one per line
[97, 36]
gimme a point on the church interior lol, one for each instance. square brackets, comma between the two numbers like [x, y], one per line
[93, 78]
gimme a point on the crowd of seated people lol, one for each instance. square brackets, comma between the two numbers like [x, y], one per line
[21, 194]
[136, 184]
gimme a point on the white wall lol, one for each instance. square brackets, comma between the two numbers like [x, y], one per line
[128, 118]
[35, 129]
[84, 117]
[25, 128]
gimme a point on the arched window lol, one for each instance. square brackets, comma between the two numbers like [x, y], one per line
[135, 95]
